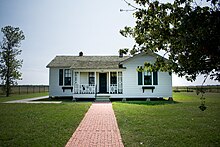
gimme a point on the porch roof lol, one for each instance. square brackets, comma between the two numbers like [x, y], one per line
[87, 62]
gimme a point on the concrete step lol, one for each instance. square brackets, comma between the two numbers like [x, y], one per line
[102, 99]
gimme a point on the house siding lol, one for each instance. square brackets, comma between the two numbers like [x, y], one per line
[131, 88]
[54, 88]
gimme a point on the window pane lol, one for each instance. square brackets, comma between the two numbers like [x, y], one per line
[155, 78]
[91, 78]
[91, 74]
[61, 77]
[147, 78]
[67, 73]
[67, 78]
[113, 78]
[140, 78]
[76, 77]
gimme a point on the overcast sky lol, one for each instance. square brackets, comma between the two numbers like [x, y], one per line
[66, 27]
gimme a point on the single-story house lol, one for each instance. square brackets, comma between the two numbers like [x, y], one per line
[107, 76]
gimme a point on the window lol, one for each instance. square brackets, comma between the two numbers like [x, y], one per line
[76, 74]
[61, 77]
[120, 86]
[91, 78]
[113, 78]
[67, 78]
[149, 78]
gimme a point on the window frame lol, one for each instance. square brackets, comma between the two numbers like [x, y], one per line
[67, 77]
[91, 78]
[141, 78]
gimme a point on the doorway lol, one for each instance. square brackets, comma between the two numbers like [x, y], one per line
[102, 82]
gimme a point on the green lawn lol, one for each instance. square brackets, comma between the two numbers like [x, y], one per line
[39, 124]
[170, 124]
[179, 123]
[3, 98]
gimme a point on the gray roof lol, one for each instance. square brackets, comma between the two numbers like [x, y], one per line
[87, 62]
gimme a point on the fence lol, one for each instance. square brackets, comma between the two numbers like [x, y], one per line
[207, 88]
[21, 89]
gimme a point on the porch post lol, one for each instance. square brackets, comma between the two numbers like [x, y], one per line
[109, 82]
[117, 82]
[79, 84]
[95, 88]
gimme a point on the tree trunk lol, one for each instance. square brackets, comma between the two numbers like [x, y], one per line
[7, 86]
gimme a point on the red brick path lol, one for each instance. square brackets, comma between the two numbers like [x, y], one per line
[97, 129]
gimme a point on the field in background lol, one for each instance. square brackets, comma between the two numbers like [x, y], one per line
[206, 88]
[23, 89]
[26, 89]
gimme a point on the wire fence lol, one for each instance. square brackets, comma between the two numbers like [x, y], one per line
[206, 88]
[22, 89]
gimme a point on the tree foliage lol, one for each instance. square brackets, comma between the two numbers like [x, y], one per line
[9, 64]
[189, 34]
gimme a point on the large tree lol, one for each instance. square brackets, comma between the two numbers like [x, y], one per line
[188, 32]
[9, 64]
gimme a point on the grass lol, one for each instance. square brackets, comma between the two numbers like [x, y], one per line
[170, 124]
[159, 123]
[39, 124]
[3, 98]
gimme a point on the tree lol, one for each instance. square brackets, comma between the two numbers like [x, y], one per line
[189, 34]
[9, 64]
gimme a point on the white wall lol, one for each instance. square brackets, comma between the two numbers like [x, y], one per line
[131, 89]
[54, 88]
[84, 78]
[130, 80]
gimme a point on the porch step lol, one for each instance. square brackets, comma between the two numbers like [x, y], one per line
[102, 99]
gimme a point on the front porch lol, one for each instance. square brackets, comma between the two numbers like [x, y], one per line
[93, 82]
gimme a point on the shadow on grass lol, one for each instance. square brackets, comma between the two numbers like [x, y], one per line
[129, 101]
[67, 99]
[56, 99]
[151, 103]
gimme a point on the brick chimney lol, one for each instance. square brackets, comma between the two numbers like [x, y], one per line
[120, 54]
[80, 54]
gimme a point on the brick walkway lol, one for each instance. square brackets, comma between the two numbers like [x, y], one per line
[97, 129]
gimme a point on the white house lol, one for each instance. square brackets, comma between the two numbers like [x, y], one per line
[108, 76]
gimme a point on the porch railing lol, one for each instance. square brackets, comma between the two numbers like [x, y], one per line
[113, 88]
[84, 89]
[92, 89]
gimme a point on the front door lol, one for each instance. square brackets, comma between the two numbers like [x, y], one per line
[102, 83]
